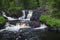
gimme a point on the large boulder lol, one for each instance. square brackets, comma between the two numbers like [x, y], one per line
[35, 19]
[14, 13]
[35, 24]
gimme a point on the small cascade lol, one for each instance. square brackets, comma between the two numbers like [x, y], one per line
[19, 25]
[20, 18]
[29, 14]
[9, 18]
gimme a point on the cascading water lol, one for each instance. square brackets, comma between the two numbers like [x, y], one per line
[30, 14]
[16, 27]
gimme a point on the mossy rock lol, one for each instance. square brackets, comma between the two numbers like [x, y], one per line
[2, 21]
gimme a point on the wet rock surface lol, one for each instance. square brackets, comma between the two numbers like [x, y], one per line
[22, 34]
[14, 22]
[53, 29]
[14, 14]
[30, 34]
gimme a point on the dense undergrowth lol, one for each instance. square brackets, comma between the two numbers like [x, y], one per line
[52, 22]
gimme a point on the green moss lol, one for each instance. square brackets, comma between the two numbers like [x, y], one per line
[53, 22]
[2, 20]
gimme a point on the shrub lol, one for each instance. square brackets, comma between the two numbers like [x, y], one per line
[53, 22]
[2, 20]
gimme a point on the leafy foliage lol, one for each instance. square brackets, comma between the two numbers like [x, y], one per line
[50, 21]
[53, 6]
[2, 20]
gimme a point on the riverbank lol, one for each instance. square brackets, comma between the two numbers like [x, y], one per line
[52, 23]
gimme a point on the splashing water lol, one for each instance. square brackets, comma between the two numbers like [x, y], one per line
[16, 27]
[30, 14]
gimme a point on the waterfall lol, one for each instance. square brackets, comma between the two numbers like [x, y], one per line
[20, 18]
[16, 27]
[29, 14]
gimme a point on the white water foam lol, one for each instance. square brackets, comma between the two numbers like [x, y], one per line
[16, 27]
[43, 26]
[29, 14]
